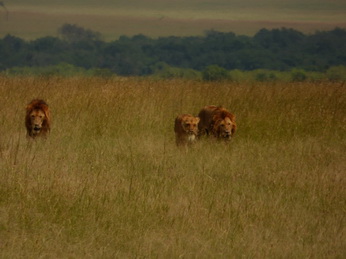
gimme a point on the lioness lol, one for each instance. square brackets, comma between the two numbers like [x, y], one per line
[217, 121]
[37, 119]
[186, 129]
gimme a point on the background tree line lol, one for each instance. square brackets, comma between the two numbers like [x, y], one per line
[278, 49]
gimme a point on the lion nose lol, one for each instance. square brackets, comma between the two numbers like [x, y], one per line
[228, 133]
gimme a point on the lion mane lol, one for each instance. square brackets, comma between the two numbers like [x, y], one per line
[186, 129]
[37, 118]
[217, 121]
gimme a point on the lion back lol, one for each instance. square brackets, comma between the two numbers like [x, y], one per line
[177, 125]
[206, 119]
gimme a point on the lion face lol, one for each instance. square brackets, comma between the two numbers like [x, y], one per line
[224, 128]
[37, 118]
[190, 125]
[186, 129]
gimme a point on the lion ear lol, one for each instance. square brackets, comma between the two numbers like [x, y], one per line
[46, 112]
[28, 108]
[198, 119]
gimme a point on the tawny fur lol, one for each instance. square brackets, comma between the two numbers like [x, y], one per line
[37, 118]
[186, 129]
[216, 121]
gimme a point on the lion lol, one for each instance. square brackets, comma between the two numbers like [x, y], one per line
[217, 121]
[186, 129]
[37, 119]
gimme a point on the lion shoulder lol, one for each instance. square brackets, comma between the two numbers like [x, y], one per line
[206, 115]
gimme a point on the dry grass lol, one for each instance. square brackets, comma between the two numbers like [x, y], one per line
[109, 181]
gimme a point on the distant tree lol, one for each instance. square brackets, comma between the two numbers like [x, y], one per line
[278, 38]
[215, 53]
[74, 33]
[14, 43]
[13, 51]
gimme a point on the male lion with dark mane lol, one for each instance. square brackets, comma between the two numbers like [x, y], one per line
[186, 129]
[37, 119]
[217, 121]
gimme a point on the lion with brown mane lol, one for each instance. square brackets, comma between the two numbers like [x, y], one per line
[217, 121]
[37, 119]
[186, 129]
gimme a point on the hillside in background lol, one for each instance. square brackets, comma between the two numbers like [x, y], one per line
[31, 19]
[278, 49]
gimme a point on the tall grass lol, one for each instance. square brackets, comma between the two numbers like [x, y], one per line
[109, 181]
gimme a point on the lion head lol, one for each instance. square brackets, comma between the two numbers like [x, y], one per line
[224, 124]
[37, 119]
[189, 124]
[186, 128]
[217, 121]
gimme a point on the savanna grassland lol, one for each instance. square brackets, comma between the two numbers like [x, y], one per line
[109, 181]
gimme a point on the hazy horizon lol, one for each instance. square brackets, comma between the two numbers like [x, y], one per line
[36, 18]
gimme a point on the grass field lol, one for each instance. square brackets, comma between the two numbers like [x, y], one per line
[31, 19]
[109, 181]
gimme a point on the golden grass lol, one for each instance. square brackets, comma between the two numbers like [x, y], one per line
[109, 181]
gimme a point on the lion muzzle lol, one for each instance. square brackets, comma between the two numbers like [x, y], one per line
[191, 137]
[37, 128]
[226, 135]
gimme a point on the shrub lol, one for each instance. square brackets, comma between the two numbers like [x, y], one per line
[336, 73]
[265, 76]
[298, 75]
[215, 73]
[165, 71]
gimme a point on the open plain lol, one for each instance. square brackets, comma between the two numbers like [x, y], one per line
[109, 181]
